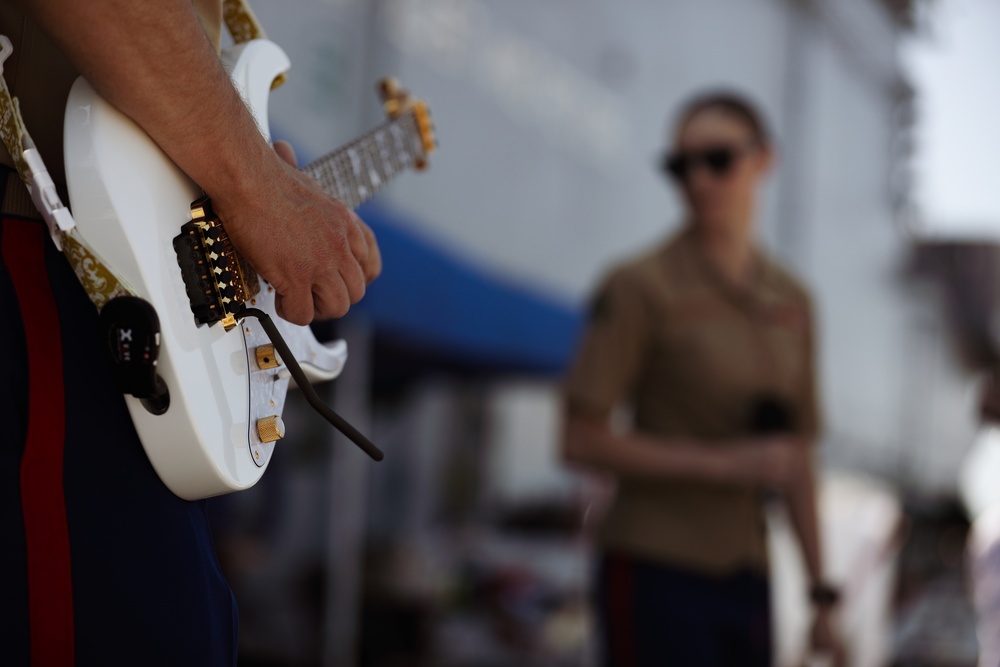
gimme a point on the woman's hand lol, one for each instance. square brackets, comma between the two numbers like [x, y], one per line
[776, 462]
[824, 640]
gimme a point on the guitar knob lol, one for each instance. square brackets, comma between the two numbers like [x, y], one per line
[267, 357]
[270, 429]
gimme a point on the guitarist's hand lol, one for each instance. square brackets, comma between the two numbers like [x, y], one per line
[315, 252]
[372, 266]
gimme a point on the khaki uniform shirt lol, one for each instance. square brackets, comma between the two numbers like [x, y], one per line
[40, 77]
[692, 355]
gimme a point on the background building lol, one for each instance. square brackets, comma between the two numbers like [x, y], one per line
[552, 117]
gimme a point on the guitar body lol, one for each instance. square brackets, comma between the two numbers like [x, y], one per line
[130, 201]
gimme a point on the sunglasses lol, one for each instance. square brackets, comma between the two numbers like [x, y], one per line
[719, 161]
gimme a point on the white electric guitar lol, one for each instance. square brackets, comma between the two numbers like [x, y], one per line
[212, 425]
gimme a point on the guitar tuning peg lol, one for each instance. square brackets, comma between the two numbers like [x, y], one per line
[395, 98]
[388, 88]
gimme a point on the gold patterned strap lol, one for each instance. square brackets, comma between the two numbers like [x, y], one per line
[99, 282]
[241, 21]
[12, 129]
[244, 26]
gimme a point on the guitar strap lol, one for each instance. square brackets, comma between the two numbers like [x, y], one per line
[241, 21]
[243, 25]
[39, 195]
[99, 281]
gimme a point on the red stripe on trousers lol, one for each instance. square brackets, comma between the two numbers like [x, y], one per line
[621, 624]
[50, 586]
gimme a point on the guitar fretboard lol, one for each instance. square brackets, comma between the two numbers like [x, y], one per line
[355, 172]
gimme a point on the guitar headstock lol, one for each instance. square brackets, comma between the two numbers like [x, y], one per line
[397, 101]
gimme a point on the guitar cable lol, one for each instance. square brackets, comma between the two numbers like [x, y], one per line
[302, 381]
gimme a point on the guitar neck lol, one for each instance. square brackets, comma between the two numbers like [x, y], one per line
[355, 172]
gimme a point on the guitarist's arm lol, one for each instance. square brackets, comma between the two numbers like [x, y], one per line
[153, 62]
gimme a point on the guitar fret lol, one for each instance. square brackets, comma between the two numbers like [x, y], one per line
[343, 177]
[365, 168]
[375, 175]
[375, 170]
[357, 171]
[330, 179]
[378, 164]
[383, 156]
[341, 185]
[344, 174]
[373, 178]
[399, 153]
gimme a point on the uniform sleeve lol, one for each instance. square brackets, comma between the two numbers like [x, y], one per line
[812, 418]
[609, 358]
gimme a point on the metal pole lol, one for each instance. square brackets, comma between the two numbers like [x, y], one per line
[348, 480]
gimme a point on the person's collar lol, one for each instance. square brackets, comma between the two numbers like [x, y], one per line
[756, 281]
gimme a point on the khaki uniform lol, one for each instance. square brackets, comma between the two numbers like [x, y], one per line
[692, 355]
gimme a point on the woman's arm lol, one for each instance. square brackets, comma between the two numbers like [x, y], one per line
[589, 442]
[800, 497]
[801, 501]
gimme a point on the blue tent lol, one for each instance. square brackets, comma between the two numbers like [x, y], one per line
[437, 305]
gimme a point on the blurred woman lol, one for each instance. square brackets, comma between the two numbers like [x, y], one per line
[709, 343]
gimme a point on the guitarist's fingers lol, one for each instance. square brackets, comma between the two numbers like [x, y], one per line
[332, 298]
[356, 239]
[372, 264]
[296, 307]
[351, 267]
[286, 152]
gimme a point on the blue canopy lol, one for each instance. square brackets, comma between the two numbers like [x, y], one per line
[430, 299]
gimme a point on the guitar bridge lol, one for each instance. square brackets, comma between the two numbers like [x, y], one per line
[218, 280]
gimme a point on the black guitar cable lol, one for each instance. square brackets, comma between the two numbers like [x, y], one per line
[302, 381]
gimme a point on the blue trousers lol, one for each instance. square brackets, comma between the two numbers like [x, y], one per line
[655, 615]
[100, 564]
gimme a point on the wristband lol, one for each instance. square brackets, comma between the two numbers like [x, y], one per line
[824, 595]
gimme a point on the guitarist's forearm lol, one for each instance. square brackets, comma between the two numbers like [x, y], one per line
[153, 61]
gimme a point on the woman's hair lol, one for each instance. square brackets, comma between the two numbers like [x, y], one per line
[732, 104]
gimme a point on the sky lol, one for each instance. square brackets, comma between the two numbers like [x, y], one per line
[955, 67]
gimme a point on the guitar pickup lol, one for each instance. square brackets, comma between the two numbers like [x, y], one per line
[218, 280]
